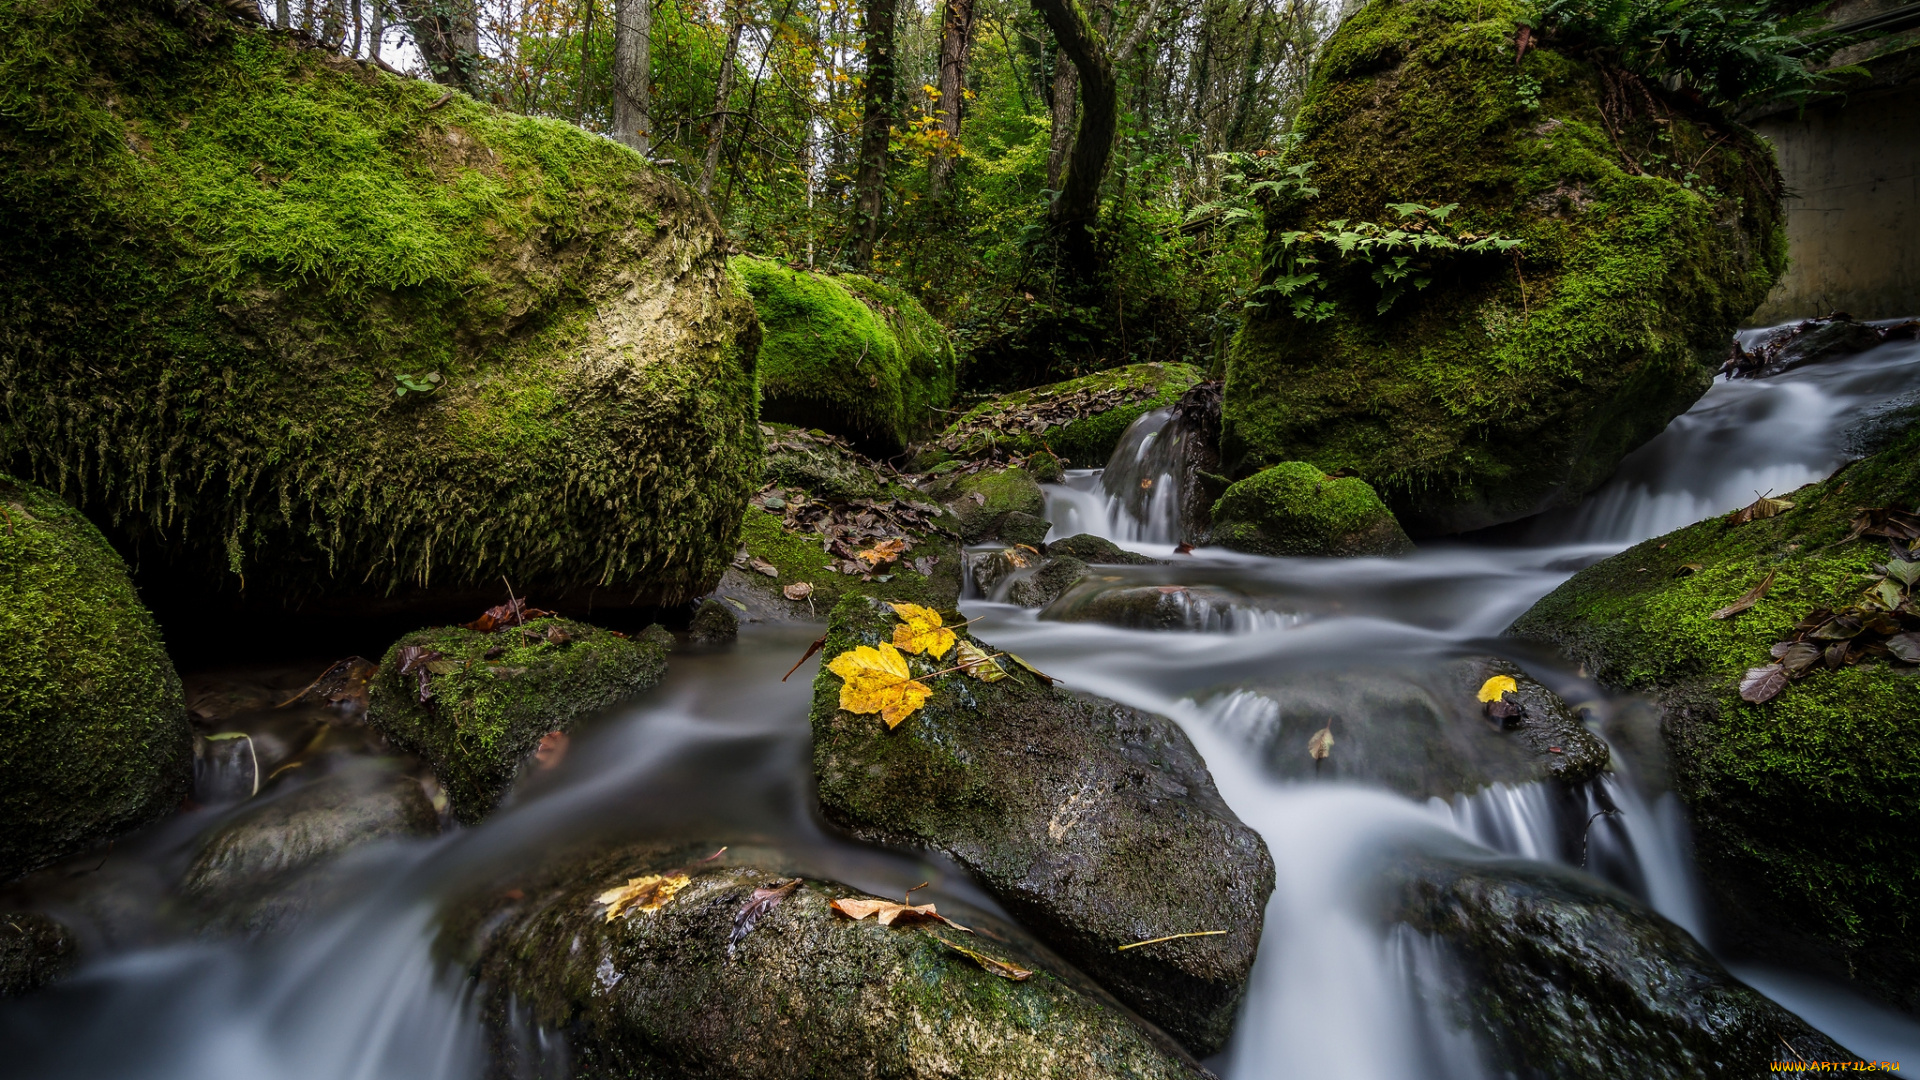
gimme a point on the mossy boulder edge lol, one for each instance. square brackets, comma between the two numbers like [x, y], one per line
[1295, 509]
[351, 336]
[93, 722]
[1023, 422]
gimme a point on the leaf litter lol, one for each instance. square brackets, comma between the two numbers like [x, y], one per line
[888, 912]
[649, 892]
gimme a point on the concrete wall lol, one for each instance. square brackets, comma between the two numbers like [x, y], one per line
[1853, 208]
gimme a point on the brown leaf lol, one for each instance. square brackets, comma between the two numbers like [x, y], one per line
[1836, 654]
[1883, 521]
[414, 660]
[992, 966]
[512, 613]
[1838, 628]
[1321, 744]
[1183, 549]
[763, 901]
[1504, 711]
[551, 751]
[799, 590]
[887, 912]
[977, 662]
[1905, 646]
[764, 566]
[811, 649]
[1797, 658]
[1761, 509]
[1763, 684]
[1750, 598]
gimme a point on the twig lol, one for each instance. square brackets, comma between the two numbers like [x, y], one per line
[1525, 313]
[512, 604]
[811, 649]
[444, 98]
[1169, 937]
[1584, 833]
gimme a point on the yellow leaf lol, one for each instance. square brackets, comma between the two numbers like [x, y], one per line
[992, 965]
[1494, 688]
[920, 630]
[649, 893]
[1321, 744]
[877, 681]
[888, 911]
[977, 662]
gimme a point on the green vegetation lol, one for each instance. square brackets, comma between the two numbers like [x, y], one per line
[1295, 509]
[1649, 229]
[1080, 420]
[93, 727]
[1804, 808]
[490, 698]
[848, 355]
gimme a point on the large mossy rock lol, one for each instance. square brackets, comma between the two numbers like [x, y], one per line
[848, 355]
[223, 255]
[1080, 421]
[1095, 825]
[1803, 808]
[476, 705]
[1295, 509]
[93, 725]
[700, 986]
[1503, 388]
[1005, 504]
[1559, 975]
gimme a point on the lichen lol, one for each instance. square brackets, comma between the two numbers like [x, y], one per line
[1517, 382]
[224, 247]
[1295, 509]
[1085, 442]
[93, 722]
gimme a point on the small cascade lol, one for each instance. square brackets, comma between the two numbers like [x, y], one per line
[1137, 498]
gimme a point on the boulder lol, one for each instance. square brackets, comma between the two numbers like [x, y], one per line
[1295, 509]
[94, 737]
[475, 706]
[352, 338]
[1077, 422]
[34, 951]
[1006, 504]
[1116, 600]
[1556, 974]
[744, 971]
[1513, 381]
[714, 623]
[1098, 551]
[1802, 806]
[847, 354]
[1095, 825]
[1056, 575]
[1019, 576]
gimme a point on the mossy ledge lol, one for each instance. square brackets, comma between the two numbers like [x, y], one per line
[228, 250]
[1805, 808]
[1515, 382]
[93, 723]
[1084, 443]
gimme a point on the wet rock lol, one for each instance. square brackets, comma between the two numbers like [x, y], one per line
[1057, 574]
[1560, 975]
[1112, 600]
[981, 502]
[34, 951]
[476, 705]
[691, 988]
[1094, 824]
[714, 623]
[1788, 347]
[1079, 420]
[93, 723]
[1295, 509]
[1018, 527]
[1046, 468]
[1098, 551]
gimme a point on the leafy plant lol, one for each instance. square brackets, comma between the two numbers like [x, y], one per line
[418, 384]
[1402, 256]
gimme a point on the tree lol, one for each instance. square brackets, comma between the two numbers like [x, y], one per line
[723, 95]
[956, 41]
[632, 26]
[447, 33]
[876, 129]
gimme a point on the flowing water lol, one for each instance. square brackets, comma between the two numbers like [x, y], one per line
[721, 751]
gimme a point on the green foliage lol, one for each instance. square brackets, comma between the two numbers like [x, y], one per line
[1293, 509]
[1421, 235]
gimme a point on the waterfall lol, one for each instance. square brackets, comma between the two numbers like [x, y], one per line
[1137, 498]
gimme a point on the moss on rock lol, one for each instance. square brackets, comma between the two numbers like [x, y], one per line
[1804, 808]
[232, 251]
[490, 697]
[994, 502]
[847, 354]
[1295, 509]
[1651, 229]
[34, 951]
[1077, 422]
[93, 724]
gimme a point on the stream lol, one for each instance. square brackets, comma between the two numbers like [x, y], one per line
[722, 750]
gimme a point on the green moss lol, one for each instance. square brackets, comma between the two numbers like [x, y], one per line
[1295, 509]
[492, 697]
[1085, 443]
[93, 724]
[1498, 392]
[1804, 808]
[223, 248]
[800, 557]
[847, 354]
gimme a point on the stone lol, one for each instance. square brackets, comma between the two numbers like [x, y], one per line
[34, 951]
[1077, 422]
[1295, 509]
[982, 502]
[715, 622]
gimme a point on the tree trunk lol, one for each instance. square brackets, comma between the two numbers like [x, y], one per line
[447, 33]
[282, 14]
[358, 23]
[1063, 104]
[876, 129]
[723, 95]
[1078, 204]
[376, 29]
[632, 28]
[956, 41]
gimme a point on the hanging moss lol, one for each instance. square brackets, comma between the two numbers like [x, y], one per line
[1651, 228]
[93, 724]
[1295, 509]
[222, 253]
[848, 355]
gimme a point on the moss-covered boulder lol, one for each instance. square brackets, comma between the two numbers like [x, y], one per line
[34, 951]
[93, 725]
[848, 355]
[1077, 422]
[1515, 381]
[475, 705]
[740, 968]
[289, 320]
[1803, 808]
[1095, 825]
[1554, 974]
[1006, 504]
[1295, 509]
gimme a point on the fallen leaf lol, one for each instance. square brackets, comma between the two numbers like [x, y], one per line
[924, 565]
[764, 566]
[1750, 598]
[1838, 628]
[551, 751]
[1183, 549]
[1503, 710]
[1497, 687]
[799, 590]
[414, 660]
[1836, 654]
[1888, 594]
[992, 966]
[1321, 744]
[1763, 684]
[1884, 521]
[512, 613]
[1906, 573]
[920, 630]
[1761, 509]
[649, 893]
[878, 681]
[811, 649]
[1030, 669]
[763, 901]
[1797, 658]
[977, 662]
[1905, 646]
[1688, 568]
[885, 551]
[887, 912]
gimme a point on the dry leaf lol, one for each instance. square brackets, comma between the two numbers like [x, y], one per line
[1751, 598]
[1015, 559]
[992, 966]
[920, 630]
[888, 912]
[1031, 670]
[1761, 509]
[512, 613]
[1905, 646]
[1497, 687]
[757, 906]
[977, 662]
[811, 649]
[1763, 684]
[1321, 744]
[878, 681]
[799, 590]
[648, 893]
[763, 566]
[883, 552]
